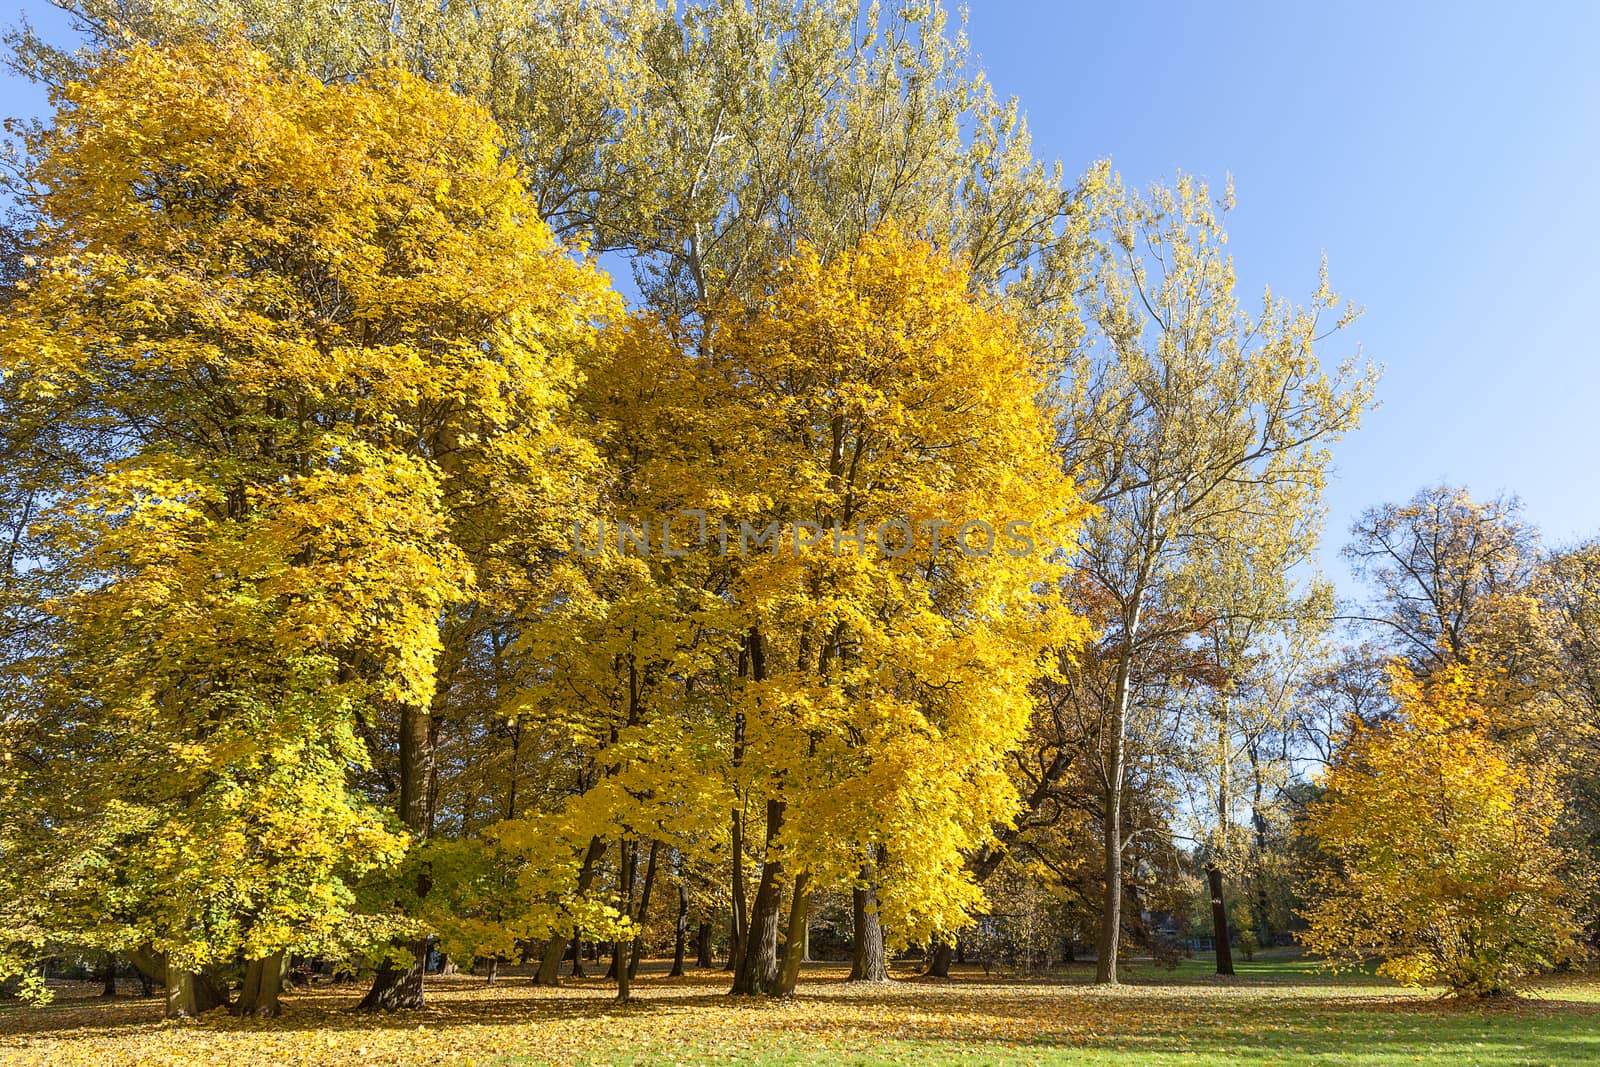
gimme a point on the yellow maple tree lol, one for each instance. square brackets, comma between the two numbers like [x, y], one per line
[1443, 866]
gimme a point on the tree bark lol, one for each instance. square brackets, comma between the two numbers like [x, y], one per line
[758, 967]
[866, 950]
[263, 980]
[181, 1003]
[1105, 966]
[703, 957]
[794, 944]
[190, 994]
[398, 987]
[620, 966]
[577, 970]
[550, 963]
[108, 976]
[1219, 922]
[939, 959]
[1115, 769]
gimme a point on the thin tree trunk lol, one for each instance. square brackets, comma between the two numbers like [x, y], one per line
[108, 976]
[627, 876]
[734, 953]
[644, 909]
[1105, 967]
[1115, 767]
[150, 968]
[493, 969]
[939, 959]
[621, 968]
[550, 963]
[680, 941]
[1219, 922]
[398, 987]
[799, 906]
[752, 658]
[577, 955]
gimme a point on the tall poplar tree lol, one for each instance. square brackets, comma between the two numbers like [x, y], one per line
[1202, 429]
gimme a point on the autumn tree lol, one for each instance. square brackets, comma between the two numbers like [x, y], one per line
[1568, 591]
[1443, 863]
[875, 687]
[1203, 430]
[333, 340]
[1451, 576]
[702, 141]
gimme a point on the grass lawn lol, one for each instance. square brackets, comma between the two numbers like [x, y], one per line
[1278, 1011]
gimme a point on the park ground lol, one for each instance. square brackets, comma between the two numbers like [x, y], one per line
[1276, 1011]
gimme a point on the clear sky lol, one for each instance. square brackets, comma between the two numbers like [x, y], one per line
[1445, 157]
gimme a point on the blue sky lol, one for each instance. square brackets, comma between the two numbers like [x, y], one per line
[1444, 157]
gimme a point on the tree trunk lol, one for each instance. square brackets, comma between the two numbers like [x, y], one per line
[702, 946]
[263, 980]
[1105, 966]
[181, 1002]
[577, 955]
[752, 661]
[1114, 766]
[190, 994]
[799, 906]
[627, 874]
[621, 969]
[735, 953]
[399, 988]
[1219, 922]
[644, 910]
[493, 969]
[805, 943]
[939, 959]
[866, 949]
[150, 968]
[680, 941]
[108, 976]
[550, 963]
[758, 966]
